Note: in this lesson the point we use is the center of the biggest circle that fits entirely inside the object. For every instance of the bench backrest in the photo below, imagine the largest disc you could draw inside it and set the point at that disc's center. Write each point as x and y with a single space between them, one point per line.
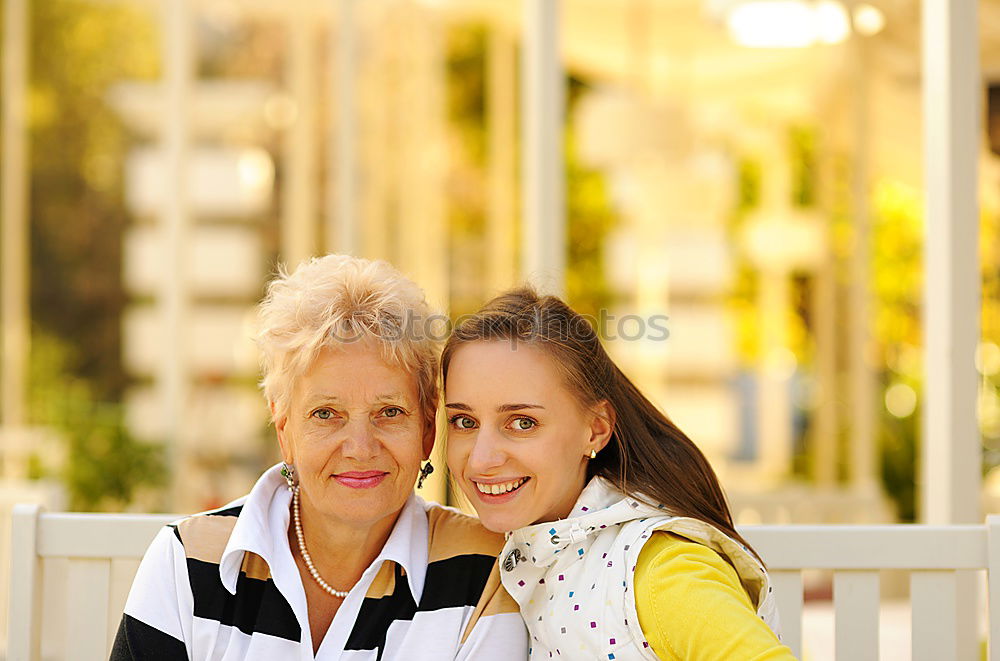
944 563
73 572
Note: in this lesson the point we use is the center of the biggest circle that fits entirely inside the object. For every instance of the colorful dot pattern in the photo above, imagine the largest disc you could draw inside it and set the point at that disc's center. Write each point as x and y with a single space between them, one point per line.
602 540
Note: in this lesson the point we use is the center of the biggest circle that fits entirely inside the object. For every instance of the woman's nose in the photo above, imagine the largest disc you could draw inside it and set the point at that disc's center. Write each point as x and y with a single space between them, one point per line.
487 453
360 442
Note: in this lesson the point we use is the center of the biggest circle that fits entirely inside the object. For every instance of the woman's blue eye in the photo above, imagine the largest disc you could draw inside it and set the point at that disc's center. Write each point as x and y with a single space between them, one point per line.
323 414
463 422
524 424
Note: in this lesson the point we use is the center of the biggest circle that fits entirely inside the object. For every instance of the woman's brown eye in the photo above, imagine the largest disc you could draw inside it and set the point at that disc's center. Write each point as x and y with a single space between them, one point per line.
392 412
463 422
523 424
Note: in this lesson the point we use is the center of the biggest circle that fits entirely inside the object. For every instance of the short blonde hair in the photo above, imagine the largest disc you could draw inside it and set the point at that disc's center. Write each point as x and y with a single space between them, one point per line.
338 299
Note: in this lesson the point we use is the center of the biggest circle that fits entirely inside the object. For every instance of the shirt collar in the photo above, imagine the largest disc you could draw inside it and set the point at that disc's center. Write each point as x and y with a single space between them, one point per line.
263 525
599 506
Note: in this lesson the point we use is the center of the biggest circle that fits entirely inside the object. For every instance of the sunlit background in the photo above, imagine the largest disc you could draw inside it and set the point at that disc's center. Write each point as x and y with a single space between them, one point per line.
753 170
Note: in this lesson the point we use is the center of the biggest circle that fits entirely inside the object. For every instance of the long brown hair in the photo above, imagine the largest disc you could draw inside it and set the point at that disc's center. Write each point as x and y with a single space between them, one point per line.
648 457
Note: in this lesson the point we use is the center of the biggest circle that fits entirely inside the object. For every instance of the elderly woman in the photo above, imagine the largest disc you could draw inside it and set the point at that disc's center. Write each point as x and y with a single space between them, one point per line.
331 555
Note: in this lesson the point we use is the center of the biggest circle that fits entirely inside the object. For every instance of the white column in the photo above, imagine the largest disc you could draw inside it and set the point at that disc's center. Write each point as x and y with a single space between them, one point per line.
543 235
952 292
774 408
15 310
501 119
172 375
861 372
298 187
342 207
951 455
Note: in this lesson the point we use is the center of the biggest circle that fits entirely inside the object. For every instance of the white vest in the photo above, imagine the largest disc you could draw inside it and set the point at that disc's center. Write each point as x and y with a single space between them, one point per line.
573 578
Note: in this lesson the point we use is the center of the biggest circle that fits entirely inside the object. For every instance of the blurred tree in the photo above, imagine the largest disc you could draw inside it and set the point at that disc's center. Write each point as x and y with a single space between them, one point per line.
590 217
101 466
78 49
466 183
897 272
77 146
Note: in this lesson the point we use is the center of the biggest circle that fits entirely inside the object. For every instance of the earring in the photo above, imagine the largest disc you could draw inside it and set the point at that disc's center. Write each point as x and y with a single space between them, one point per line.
288 472
593 454
424 472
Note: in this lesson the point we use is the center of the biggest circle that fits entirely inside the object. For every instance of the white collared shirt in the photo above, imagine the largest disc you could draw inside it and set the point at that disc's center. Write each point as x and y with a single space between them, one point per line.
224 586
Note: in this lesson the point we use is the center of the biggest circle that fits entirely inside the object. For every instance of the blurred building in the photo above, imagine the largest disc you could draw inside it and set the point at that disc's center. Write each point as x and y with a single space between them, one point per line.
739 157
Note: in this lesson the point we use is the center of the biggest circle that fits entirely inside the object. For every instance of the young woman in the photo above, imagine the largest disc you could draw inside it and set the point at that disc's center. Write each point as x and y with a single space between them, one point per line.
621 544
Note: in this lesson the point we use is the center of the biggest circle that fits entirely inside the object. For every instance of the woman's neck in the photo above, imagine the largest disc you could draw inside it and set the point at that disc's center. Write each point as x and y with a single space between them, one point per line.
340 552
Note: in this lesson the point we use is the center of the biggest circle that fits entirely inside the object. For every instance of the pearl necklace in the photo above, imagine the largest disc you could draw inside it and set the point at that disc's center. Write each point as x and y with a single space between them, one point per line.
340 594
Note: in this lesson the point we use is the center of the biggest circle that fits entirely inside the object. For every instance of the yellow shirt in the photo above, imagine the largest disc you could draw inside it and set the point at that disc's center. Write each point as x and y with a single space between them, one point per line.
692 606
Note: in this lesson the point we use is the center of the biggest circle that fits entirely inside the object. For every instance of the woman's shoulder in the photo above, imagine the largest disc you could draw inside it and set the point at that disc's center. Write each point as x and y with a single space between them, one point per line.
672 575
453 532
666 549
205 535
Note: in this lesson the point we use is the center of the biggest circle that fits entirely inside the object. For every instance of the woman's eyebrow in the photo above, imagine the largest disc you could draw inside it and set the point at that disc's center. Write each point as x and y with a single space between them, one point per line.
391 397
321 397
514 407
503 408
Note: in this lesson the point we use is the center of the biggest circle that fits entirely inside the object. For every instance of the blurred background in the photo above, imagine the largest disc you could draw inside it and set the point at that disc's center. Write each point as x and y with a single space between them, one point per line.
750 171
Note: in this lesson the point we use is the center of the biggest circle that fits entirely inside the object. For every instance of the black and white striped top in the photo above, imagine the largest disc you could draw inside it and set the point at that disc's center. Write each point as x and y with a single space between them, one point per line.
223 586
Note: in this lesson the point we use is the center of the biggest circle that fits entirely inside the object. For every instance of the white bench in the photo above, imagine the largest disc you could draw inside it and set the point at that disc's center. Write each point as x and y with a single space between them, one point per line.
94 558
100 553
938 558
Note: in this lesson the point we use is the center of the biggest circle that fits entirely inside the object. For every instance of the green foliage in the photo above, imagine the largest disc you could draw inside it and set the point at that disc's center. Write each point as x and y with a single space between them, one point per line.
898 461
590 219
804 157
101 465
897 282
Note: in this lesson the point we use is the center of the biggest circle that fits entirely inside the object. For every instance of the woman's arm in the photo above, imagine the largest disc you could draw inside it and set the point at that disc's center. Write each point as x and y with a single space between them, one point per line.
159 611
692 606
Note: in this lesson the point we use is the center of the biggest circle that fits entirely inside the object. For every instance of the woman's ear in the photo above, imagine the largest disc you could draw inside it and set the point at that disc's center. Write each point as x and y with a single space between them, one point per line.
279 428
602 425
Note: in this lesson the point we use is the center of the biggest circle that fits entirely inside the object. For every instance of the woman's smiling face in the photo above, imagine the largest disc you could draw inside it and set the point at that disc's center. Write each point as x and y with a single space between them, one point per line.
518 438
355 435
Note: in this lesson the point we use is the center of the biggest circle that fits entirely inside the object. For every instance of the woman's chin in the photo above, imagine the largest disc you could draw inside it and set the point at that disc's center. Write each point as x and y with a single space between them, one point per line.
503 522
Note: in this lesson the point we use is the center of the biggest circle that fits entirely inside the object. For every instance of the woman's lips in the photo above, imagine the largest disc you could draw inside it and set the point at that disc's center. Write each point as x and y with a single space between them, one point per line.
360 479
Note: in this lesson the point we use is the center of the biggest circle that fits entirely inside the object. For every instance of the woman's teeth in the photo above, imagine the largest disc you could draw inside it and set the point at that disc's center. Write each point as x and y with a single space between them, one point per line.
501 487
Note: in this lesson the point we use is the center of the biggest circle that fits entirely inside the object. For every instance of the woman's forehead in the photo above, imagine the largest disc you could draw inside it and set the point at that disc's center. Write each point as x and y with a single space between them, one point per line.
503 369
356 372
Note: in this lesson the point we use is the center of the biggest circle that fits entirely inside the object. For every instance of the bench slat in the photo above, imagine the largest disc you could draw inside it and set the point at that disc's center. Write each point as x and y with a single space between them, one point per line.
993 578
95 536
87 627
934 600
24 600
856 615
788 596
870 547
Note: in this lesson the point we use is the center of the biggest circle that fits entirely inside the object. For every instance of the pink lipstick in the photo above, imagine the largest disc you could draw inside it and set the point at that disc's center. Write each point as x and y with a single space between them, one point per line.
360 479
